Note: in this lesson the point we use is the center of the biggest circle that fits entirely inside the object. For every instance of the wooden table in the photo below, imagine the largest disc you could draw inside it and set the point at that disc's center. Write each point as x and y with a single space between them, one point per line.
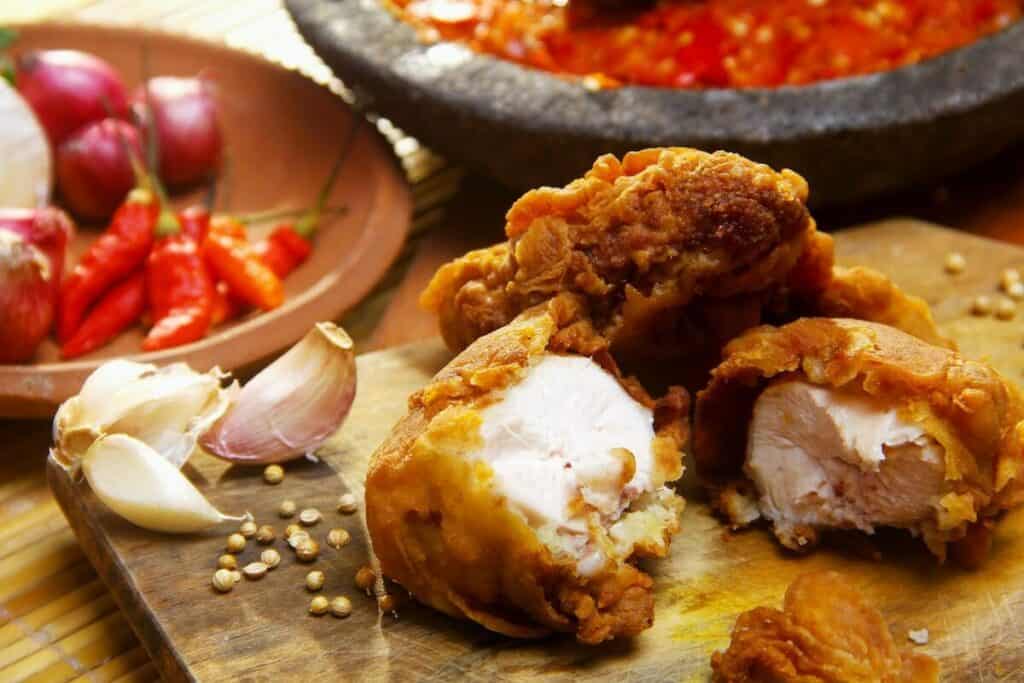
57 620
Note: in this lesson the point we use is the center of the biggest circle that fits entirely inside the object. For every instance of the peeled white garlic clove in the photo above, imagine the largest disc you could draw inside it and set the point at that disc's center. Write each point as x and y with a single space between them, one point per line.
143 487
167 408
293 405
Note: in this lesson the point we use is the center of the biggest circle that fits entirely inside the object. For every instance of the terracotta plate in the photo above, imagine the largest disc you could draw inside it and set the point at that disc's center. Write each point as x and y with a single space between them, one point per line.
283 132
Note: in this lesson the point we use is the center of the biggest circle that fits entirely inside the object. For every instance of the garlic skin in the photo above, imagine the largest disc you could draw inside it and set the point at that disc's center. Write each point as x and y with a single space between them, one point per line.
143 487
293 405
166 408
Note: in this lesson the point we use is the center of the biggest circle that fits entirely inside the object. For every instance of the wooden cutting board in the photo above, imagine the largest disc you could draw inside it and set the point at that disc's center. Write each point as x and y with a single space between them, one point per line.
261 631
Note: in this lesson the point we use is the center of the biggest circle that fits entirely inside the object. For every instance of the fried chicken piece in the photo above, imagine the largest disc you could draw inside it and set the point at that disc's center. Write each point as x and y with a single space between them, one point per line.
838 423
526 479
866 294
825 633
674 252
643 241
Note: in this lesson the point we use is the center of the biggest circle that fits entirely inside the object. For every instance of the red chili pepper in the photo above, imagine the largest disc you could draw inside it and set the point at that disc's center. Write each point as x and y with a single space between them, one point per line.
195 222
181 293
119 251
235 262
284 250
225 306
118 309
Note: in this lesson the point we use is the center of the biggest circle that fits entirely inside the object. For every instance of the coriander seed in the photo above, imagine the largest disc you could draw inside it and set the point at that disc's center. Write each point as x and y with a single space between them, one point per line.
347 504
248 528
236 575
287 509
314 581
365 578
307 551
265 535
291 529
955 263
223 580
270 557
309 516
297 539
981 306
273 474
236 543
1015 291
336 538
1008 277
227 561
341 607
318 606
1005 309
255 570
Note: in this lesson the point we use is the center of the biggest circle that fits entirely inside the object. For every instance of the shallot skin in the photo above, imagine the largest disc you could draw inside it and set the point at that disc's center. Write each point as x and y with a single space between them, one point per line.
185 118
94 169
27 298
68 89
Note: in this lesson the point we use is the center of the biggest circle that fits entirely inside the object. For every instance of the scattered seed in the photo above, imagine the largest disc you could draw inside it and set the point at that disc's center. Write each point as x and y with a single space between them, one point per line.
265 535
314 581
236 543
1015 291
273 474
248 528
387 603
981 306
297 539
309 516
223 580
307 551
341 607
336 538
270 557
318 606
955 263
365 578
1005 309
1008 277
347 504
291 529
287 509
237 575
228 562
919 637
255 570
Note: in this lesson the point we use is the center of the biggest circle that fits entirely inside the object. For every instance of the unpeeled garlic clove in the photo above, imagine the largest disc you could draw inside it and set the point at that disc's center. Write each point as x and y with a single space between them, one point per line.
166 408
140 485
293 405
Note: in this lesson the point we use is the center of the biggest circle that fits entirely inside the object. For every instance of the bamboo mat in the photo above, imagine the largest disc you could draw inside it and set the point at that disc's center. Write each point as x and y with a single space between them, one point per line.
58 622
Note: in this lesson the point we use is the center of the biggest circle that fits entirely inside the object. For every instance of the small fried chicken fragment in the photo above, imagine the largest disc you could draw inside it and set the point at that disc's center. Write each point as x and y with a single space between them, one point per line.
646 242
845 424
526 479
825 633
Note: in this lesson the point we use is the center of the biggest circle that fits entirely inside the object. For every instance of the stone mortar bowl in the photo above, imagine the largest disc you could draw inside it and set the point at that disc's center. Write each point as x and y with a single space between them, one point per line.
851 138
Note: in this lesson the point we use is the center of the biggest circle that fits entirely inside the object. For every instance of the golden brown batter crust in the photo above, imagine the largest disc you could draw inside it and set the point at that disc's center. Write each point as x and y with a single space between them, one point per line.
825 633
673 252
439 529
974 414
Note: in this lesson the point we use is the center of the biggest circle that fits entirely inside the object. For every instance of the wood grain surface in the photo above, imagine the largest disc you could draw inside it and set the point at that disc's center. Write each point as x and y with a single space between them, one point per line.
261 632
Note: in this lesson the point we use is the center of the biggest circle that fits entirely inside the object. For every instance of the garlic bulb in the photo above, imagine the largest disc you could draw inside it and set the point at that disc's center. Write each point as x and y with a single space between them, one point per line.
293 405
166 408
145 488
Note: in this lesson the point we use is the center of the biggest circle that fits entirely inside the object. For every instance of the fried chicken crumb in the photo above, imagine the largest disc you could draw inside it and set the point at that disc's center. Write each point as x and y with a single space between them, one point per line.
825 633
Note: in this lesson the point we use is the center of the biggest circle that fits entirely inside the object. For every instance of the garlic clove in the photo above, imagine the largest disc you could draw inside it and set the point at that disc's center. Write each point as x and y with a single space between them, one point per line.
143 487
293 405
167 408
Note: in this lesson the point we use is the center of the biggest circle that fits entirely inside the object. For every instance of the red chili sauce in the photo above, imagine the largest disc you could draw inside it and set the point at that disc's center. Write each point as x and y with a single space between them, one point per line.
711 43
